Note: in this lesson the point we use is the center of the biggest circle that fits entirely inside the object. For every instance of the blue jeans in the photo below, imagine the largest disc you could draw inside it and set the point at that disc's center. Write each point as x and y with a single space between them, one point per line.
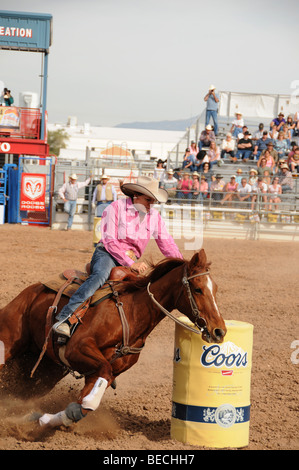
101 264
214 115
243 154
70 209
101 206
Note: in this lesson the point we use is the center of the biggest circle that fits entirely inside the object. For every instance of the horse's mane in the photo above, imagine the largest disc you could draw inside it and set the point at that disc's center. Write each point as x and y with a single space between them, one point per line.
157 271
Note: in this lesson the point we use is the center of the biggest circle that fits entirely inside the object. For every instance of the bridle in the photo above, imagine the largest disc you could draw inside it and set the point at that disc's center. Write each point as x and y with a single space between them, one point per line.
199 321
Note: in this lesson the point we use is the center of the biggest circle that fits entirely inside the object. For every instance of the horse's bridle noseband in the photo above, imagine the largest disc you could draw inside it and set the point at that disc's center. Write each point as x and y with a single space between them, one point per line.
199 321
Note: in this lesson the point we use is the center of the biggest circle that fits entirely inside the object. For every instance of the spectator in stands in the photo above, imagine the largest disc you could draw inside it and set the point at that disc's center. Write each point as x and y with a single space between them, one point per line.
259 134
189 162
239 176
252 177
259 189
201 158
260 145
293 161
270 163
217 188
245 147
273 134
266 177
279 122
199 187
273 152
8 98
193 148
207 173
213 153
261 166
69 193
237 124
212 100
228 147
159 171
206 137
275 190
242 133
281 145
285 179
244 191
184 188
291 125
287 135
170 183
230 190
103 195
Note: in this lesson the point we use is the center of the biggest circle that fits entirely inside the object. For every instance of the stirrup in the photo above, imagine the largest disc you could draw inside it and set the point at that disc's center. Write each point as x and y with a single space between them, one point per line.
62 328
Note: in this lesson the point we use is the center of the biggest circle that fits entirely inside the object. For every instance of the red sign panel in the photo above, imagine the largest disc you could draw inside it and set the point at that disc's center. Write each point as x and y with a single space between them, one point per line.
33 191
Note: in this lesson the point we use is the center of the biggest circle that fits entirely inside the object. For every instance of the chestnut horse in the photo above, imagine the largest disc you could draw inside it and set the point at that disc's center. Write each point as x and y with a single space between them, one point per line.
94 348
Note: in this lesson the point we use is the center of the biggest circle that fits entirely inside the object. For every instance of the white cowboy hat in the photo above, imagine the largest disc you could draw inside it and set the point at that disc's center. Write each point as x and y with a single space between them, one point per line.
146 185
73 176
209 127
212 87
104 176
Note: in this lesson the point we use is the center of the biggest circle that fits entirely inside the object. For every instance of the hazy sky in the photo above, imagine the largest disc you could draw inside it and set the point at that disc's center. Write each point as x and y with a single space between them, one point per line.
115 61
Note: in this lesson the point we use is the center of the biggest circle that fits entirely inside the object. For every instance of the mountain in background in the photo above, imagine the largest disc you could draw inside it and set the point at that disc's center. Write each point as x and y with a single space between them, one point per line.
177 125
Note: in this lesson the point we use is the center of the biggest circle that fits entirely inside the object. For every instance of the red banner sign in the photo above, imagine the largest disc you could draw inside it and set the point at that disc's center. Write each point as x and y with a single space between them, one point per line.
33 191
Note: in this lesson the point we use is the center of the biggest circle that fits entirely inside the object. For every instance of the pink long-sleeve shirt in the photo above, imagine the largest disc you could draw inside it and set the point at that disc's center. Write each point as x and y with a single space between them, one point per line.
122 230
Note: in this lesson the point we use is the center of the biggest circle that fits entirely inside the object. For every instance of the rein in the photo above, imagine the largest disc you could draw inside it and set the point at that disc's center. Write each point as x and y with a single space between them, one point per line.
199 321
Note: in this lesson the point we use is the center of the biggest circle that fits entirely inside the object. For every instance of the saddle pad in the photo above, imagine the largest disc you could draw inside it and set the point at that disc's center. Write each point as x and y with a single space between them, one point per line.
56 283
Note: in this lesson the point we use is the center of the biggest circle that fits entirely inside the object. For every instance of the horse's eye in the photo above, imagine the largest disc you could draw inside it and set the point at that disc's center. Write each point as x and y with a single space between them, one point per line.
198 291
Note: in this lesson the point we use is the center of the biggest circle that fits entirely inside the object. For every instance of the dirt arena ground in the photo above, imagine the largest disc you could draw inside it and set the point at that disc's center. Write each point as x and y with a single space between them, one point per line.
257 282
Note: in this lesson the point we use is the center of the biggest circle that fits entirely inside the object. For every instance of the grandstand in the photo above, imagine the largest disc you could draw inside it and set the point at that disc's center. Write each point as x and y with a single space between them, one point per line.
232 219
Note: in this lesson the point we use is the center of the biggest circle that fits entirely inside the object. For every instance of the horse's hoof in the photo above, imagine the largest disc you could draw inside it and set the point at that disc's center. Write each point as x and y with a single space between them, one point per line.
113 385
33 416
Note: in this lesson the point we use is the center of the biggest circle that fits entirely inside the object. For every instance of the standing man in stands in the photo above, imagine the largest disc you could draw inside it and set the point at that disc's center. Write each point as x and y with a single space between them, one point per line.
212 100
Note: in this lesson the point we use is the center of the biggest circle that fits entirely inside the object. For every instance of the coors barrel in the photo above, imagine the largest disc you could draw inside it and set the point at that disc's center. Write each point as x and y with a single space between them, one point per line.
211 387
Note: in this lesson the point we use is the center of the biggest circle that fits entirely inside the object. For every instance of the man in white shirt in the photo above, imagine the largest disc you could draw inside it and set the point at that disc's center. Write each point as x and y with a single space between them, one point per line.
244 191
69 194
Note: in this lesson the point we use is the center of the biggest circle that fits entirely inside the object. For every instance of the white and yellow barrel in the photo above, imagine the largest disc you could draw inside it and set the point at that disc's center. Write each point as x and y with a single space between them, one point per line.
96 230
211 387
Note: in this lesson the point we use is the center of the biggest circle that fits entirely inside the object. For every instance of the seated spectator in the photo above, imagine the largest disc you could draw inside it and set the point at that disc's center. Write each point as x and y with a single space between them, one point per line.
159 171
279 122
270 163
293 161
291 125
199 187
285 178
244 191
228 147
213 153
207 173
201 158
241 135
287 135
261 166
275 190
206 137
259 134
184 188
274 154
189 161
260 145
237 124
266 177
193 148
252 177
259 189
244 147
230 190
217 188
170 183
273 134
239 176
281 145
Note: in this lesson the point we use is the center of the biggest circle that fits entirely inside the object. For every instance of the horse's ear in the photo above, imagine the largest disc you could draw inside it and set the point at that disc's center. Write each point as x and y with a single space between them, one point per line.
198 260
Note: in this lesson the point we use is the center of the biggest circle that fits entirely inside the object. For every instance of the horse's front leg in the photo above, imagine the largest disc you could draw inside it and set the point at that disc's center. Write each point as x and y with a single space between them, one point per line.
92 393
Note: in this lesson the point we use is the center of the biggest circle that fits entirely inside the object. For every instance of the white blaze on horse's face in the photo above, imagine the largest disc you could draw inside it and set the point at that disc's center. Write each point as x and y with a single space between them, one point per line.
210 287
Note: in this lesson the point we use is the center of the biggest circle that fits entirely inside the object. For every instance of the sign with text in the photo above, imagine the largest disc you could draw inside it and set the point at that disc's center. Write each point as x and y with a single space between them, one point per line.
33 191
